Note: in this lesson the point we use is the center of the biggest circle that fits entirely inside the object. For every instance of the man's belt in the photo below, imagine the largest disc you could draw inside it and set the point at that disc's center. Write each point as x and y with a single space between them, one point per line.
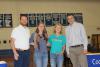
77 45
21 49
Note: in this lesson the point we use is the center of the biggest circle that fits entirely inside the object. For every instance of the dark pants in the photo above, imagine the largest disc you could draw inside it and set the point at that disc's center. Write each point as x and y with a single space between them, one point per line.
23 60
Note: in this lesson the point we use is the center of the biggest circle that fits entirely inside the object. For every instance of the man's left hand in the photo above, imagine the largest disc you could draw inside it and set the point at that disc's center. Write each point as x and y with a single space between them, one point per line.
85 52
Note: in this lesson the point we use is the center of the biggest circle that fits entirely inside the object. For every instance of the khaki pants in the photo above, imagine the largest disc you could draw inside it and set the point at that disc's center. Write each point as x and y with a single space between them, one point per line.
78 59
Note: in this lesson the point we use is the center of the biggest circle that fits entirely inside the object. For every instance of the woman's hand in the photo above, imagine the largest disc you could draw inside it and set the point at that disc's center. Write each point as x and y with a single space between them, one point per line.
48 44
85 52
35 46
62 53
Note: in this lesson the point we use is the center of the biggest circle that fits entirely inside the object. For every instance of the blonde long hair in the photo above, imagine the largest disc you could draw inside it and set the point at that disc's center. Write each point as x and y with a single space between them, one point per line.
58 24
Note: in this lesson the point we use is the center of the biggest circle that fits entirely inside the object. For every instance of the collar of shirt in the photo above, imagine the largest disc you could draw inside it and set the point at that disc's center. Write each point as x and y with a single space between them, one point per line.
74 23
24 27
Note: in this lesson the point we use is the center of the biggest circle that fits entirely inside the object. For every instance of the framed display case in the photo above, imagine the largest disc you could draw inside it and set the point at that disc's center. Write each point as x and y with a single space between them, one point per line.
32 20
63 19
40 17
1 20
7 20
48 19
55 18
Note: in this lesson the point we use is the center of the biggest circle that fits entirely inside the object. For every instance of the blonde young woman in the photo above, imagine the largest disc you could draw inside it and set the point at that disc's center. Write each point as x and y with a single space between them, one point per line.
57 42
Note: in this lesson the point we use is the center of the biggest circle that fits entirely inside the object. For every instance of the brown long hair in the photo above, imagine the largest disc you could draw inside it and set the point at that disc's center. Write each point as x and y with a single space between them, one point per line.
44 34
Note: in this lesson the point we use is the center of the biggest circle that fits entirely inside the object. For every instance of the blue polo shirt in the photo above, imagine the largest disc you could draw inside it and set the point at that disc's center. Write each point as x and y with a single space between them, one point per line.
57 43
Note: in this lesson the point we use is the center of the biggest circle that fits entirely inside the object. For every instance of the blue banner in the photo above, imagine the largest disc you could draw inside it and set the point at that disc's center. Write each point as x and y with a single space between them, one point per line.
93 60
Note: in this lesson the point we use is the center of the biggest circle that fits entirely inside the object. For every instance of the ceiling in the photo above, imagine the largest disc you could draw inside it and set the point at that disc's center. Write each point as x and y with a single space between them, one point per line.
49 0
